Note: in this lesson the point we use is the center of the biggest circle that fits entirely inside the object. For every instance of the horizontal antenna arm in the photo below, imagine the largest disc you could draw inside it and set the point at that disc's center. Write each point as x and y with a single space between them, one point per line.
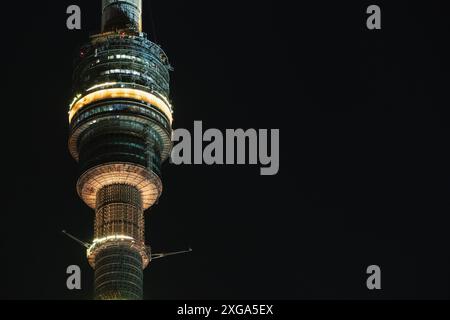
84 244
164 255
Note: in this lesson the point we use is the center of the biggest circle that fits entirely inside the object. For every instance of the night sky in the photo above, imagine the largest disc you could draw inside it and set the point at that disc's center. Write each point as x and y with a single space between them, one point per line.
364 172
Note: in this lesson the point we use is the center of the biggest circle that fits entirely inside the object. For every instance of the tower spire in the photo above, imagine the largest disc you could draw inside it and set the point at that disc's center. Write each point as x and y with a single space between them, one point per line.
121 14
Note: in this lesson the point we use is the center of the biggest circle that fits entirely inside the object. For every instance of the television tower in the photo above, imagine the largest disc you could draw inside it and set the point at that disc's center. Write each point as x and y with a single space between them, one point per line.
120 134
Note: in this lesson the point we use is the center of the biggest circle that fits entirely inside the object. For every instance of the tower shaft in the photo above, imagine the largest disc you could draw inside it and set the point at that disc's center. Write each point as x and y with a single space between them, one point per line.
119 262
121 14
120 133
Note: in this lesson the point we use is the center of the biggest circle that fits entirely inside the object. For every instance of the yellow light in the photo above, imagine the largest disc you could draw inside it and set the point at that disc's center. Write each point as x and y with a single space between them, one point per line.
106 239
114 237
112 93
78 96
101 85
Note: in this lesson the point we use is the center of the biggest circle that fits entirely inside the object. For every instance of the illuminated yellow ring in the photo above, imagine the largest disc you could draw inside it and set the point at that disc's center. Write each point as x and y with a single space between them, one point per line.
125 93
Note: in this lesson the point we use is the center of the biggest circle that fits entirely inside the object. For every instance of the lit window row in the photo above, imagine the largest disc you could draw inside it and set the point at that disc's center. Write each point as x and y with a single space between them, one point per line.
127 57
123 71
126 71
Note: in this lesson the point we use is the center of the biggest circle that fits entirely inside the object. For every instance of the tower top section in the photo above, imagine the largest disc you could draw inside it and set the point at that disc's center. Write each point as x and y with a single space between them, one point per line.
121 14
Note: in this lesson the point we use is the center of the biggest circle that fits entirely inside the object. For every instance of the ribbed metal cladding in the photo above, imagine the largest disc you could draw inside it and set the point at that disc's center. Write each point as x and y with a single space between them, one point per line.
119 212
118 265
118 274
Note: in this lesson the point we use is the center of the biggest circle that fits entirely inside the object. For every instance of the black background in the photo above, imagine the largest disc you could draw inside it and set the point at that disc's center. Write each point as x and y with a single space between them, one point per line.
364 173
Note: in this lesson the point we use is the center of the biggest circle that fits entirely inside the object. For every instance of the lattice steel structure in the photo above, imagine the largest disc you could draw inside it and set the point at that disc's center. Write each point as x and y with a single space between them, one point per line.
120 133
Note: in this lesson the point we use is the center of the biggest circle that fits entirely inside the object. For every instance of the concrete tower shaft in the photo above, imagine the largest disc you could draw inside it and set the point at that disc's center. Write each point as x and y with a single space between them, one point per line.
121 14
